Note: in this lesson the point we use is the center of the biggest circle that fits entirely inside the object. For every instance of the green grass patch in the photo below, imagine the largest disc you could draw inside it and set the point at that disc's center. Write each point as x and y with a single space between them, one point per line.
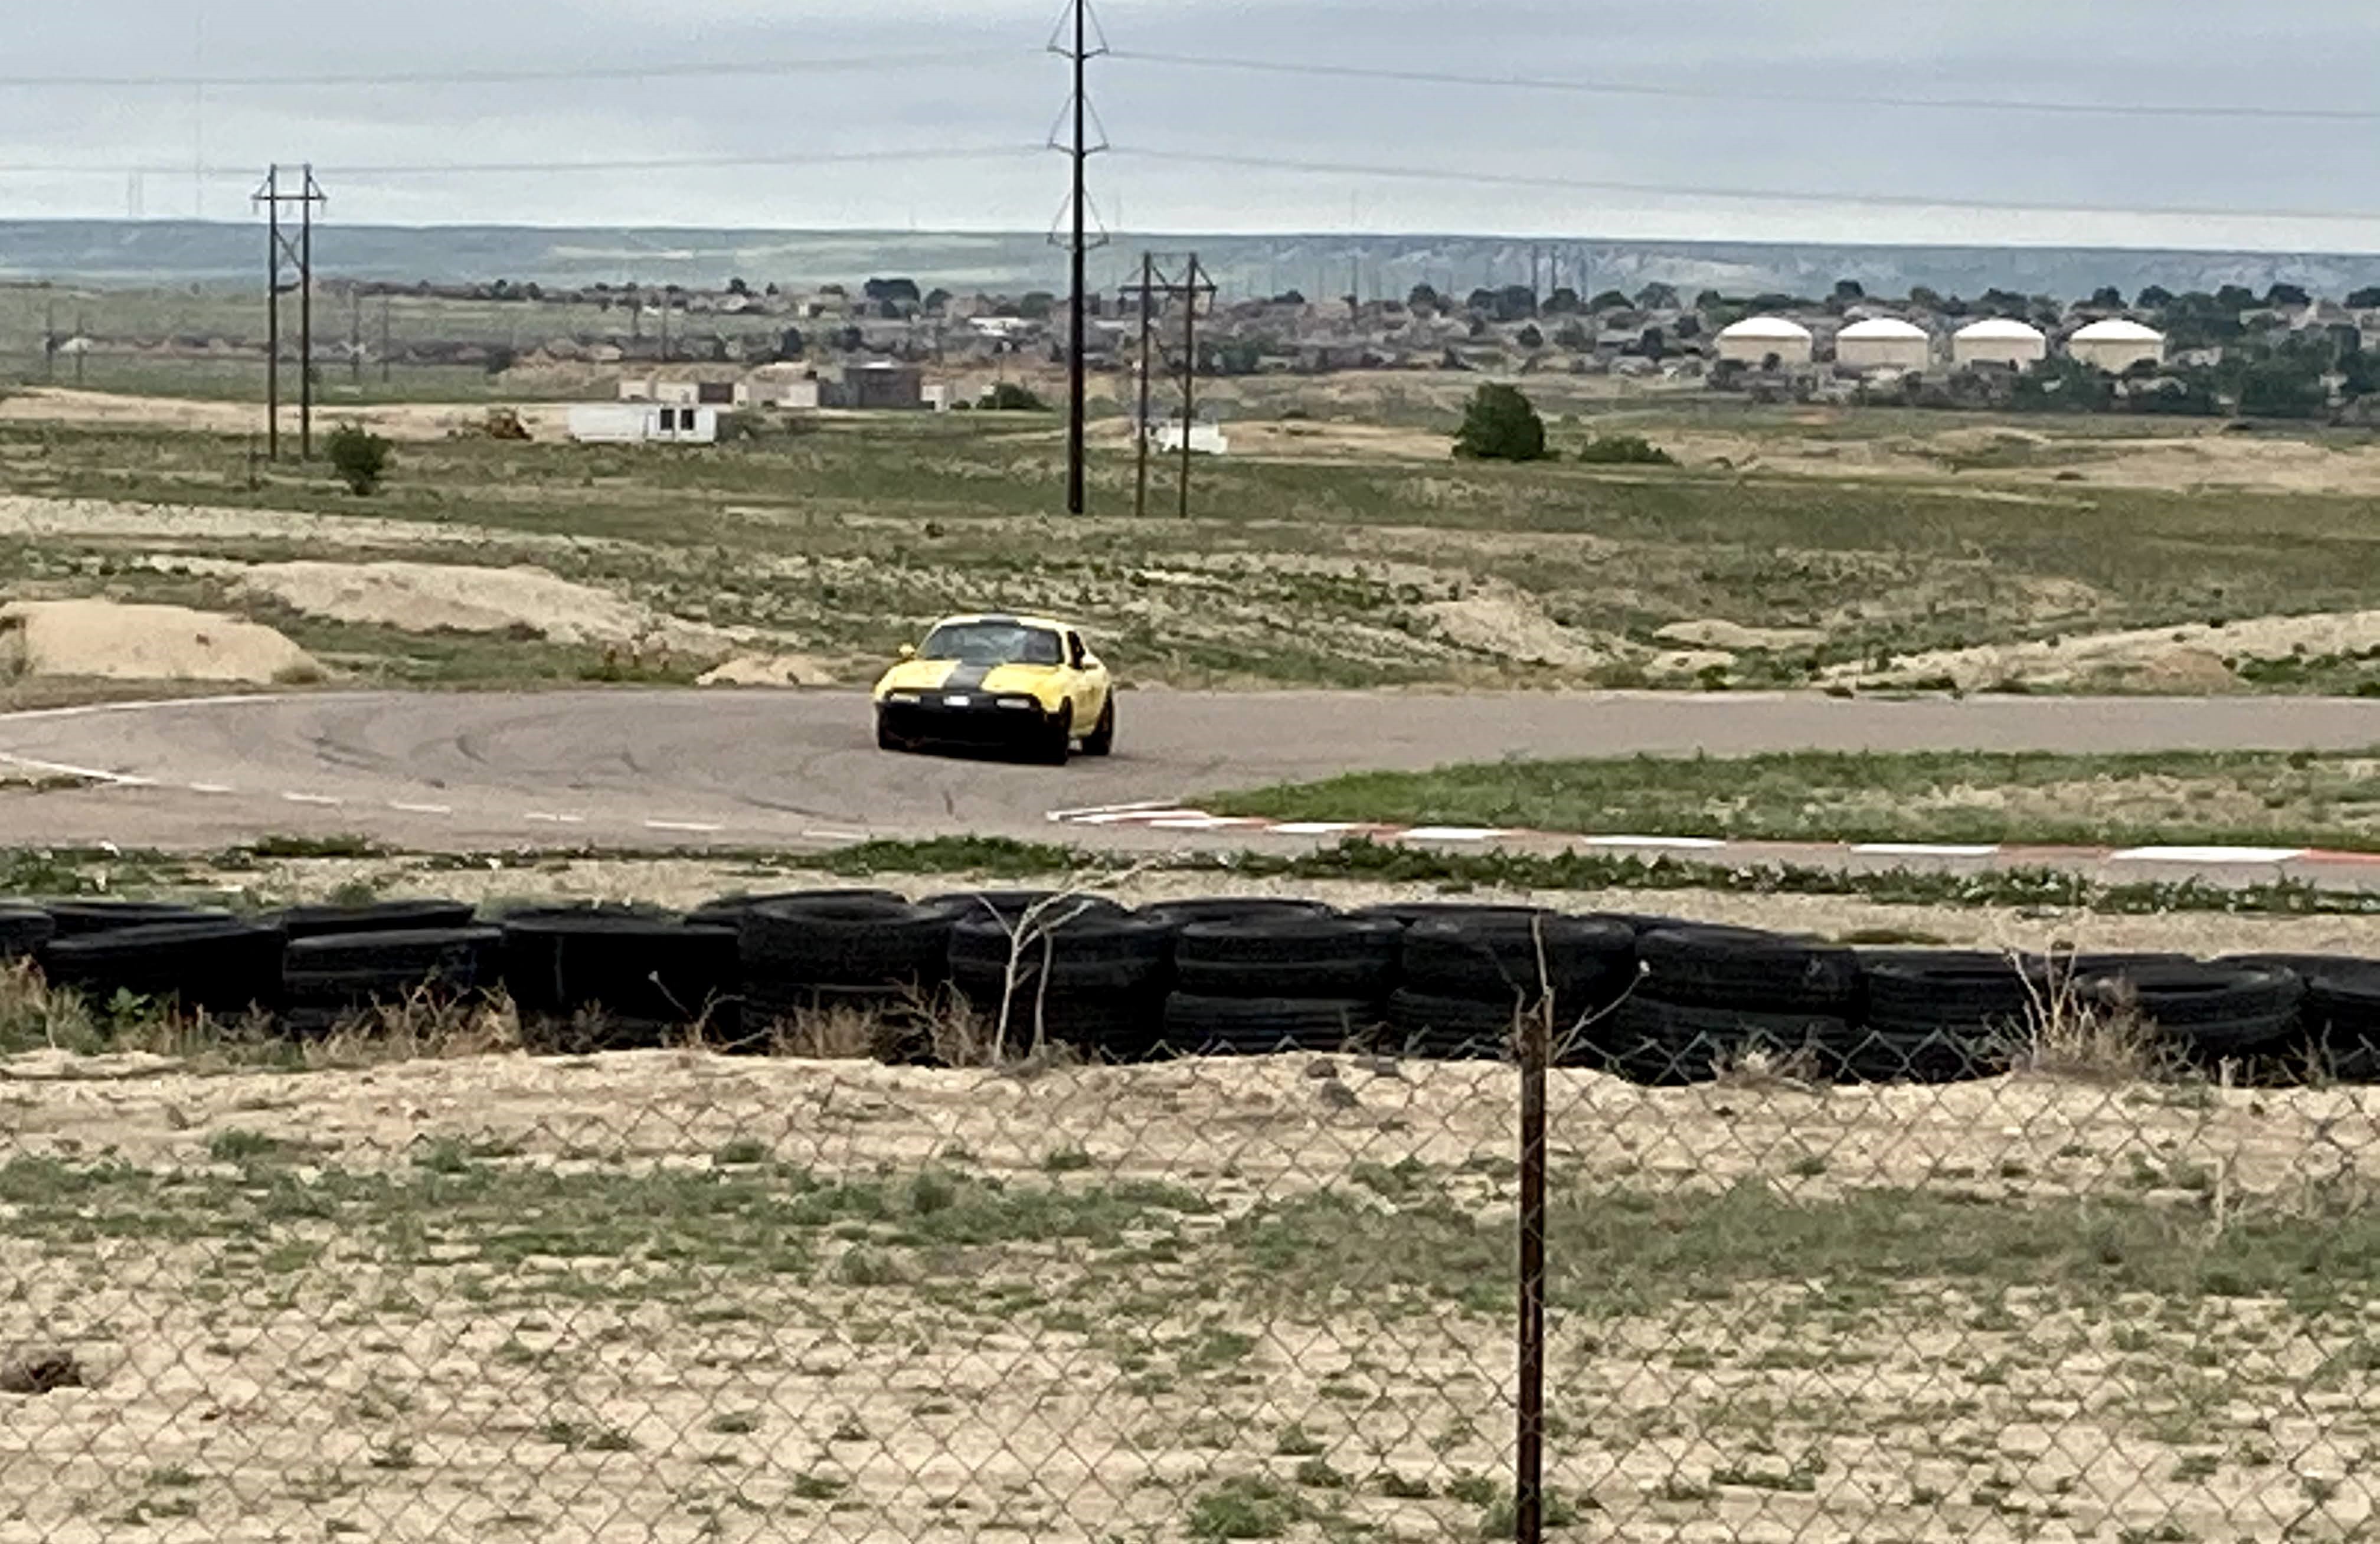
2265 797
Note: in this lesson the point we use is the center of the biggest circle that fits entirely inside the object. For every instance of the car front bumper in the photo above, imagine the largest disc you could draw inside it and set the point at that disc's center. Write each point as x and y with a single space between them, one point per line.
961 718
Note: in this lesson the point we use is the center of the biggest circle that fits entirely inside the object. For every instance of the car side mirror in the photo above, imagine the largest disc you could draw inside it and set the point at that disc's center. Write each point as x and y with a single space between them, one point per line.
908 650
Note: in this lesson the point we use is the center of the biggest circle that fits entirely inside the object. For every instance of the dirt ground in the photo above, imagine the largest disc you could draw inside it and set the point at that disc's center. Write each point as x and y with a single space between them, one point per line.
665 1295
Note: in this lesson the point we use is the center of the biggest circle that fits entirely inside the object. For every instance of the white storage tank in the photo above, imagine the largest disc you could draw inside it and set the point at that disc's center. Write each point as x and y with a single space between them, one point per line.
1999 340
2116 346
1756 339
1883 343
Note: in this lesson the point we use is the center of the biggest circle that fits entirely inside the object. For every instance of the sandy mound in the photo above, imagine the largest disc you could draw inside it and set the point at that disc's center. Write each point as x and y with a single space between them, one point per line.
100 640
429 597
1503 621
769 669
2193 656
1734 636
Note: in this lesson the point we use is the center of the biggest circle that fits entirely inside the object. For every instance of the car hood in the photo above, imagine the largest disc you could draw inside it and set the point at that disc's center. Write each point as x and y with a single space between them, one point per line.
951 675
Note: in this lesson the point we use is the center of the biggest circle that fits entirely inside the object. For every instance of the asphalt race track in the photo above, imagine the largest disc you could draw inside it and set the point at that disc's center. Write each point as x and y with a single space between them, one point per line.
466 772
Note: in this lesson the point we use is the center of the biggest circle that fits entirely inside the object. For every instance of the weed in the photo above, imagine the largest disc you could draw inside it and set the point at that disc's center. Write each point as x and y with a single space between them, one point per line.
1244 1507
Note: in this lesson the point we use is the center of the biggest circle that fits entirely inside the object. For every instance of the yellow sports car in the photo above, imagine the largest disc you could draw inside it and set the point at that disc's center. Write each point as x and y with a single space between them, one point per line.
1026 683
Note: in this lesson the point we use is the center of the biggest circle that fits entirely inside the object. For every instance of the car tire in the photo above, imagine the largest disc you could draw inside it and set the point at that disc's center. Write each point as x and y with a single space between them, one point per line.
885 738
1101 741
1059 735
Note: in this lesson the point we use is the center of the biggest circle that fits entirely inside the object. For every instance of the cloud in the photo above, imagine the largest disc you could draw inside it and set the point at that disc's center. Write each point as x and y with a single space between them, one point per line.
993 87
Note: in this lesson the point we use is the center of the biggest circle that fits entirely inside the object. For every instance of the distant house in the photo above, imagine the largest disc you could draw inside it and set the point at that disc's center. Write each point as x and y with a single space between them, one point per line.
685 394
877 386
636 423
1207 436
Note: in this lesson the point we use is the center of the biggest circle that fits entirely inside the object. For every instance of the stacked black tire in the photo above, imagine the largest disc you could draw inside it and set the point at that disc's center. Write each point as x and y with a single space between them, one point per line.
346 966
190 958
2337 1032
867 952
1712 997
1951 1014
594 978
1468 977
1041 970
1254 978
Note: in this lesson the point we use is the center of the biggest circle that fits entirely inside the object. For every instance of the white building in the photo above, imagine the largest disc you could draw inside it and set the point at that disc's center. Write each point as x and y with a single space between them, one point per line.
636 423
1757 339
1883 343
2116 346
1206 437
1999 341
685 392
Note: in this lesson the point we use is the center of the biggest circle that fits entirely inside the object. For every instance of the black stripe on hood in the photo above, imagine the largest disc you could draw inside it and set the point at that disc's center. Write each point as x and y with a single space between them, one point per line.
968 677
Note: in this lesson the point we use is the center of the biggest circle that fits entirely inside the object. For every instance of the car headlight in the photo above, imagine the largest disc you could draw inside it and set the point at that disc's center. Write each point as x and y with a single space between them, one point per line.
1018 703
901 697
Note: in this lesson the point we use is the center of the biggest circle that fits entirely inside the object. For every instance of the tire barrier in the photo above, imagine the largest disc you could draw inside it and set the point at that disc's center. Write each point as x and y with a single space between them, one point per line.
24 928
1651 999
862 951
223 966
1094 979
379 917
605 981
329 980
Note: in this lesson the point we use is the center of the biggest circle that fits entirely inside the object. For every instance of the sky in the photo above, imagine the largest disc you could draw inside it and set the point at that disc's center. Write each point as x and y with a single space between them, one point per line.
937 114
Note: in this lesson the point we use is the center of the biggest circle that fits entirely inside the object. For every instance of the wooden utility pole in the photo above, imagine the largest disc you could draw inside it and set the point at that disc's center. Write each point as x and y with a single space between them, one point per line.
1147 342
1189 369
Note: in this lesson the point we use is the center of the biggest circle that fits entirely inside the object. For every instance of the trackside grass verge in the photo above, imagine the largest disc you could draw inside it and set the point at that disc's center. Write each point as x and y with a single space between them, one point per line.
2265 798
91 872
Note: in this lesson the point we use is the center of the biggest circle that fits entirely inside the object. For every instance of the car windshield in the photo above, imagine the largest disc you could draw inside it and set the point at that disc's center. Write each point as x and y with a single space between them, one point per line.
990 643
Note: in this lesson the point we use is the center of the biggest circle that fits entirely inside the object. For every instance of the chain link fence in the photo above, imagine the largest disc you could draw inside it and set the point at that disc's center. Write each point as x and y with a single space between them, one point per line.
2071 1288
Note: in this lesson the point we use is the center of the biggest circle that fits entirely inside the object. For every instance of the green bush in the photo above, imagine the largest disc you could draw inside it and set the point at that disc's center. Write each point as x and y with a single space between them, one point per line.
1625 450
1010 397
360 457
1500 425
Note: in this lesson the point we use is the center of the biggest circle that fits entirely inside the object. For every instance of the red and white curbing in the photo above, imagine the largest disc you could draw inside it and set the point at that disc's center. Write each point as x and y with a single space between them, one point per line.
1159 815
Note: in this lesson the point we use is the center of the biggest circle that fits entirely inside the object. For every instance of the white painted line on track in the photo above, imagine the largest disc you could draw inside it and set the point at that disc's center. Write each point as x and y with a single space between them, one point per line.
210 788
1202 823
94 775
546 819
421 808
1453 834
1685 843
93 710
322 800
1313 828
2207 854
1154 815
824 835
1065 815
1924 849
698 827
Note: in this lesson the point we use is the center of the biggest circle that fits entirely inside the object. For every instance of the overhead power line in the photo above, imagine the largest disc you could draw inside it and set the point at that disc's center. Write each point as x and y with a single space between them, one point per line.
1595 87
681 69
541 168
1745 195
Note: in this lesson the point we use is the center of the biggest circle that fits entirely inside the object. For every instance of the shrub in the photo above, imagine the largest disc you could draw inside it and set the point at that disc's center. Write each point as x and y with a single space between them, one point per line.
1010 397
1625 450
360 457
1500 425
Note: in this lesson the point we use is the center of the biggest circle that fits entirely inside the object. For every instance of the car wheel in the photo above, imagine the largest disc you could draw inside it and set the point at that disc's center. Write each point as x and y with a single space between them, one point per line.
1060 735
1102 739
886 739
